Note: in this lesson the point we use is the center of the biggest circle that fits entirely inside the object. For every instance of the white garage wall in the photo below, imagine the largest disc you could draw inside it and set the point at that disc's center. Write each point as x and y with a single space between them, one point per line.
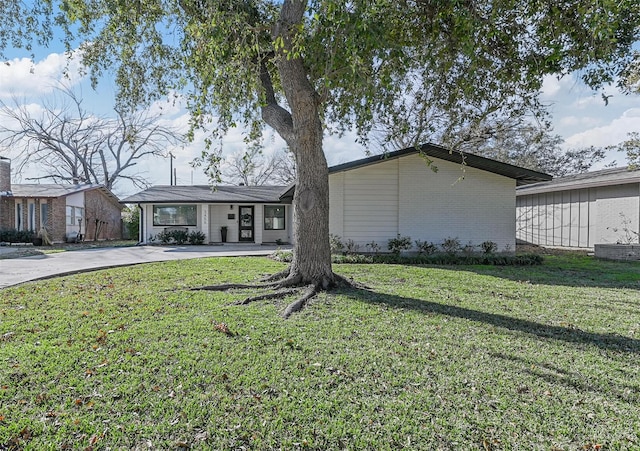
405 196
371 203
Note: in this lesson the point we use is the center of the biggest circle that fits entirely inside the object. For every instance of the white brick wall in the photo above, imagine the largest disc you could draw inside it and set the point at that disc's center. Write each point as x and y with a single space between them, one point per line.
371 203
336 203
405 196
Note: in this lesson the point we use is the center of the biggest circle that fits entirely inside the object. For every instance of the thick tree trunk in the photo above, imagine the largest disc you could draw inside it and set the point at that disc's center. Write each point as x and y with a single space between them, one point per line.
312 255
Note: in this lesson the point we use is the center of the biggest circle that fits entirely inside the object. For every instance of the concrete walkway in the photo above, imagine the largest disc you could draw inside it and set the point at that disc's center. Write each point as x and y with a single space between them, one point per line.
14 271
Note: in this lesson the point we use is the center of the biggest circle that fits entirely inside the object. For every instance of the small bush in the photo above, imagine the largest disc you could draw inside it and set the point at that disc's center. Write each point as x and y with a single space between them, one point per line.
352 247
196 237
179 236
426 247
285 256
399 244
353 258
335 242
469 249
451 246
373 247
16 236
164 237
488 247
448 259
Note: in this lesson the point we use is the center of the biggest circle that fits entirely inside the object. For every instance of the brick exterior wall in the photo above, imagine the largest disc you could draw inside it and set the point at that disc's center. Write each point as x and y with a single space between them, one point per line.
7 213
100 207
404 196
57 219
97 206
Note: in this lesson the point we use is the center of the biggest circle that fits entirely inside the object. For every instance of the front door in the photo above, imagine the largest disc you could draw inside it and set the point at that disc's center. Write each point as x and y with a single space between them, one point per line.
246 224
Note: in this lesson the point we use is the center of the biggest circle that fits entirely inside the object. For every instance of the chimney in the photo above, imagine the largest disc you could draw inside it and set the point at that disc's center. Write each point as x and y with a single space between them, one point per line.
5 176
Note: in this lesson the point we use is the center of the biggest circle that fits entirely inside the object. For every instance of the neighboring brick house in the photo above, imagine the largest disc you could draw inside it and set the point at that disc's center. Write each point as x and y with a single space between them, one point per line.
64 210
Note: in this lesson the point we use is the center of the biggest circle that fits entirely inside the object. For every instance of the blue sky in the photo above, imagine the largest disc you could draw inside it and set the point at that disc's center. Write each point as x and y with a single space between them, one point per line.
579 115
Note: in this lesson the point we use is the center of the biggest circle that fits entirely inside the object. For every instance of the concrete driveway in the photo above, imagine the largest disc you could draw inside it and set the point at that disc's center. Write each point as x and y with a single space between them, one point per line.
14 271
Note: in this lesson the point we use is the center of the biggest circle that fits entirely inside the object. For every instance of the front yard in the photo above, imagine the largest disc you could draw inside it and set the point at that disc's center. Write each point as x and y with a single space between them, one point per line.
469 357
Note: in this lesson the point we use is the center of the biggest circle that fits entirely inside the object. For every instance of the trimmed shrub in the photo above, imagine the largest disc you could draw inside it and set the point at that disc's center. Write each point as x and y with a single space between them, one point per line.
449 259
16 236
196 237
488 247
352 247
469 249
286 256
335 242
179 236
399 244
426 247
451 246
164 237
373 247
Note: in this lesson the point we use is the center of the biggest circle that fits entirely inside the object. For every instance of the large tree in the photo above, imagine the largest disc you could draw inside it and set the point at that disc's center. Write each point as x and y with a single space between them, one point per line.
302 66
518 134
71 145
531 145
253 168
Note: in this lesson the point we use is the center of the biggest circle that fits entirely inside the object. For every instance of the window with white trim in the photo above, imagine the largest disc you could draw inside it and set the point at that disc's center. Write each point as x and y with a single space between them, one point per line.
274 217
175 215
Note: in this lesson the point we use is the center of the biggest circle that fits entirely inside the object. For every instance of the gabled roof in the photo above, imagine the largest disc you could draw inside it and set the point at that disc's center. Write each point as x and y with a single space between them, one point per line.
204 193
47 191
522 176
605 177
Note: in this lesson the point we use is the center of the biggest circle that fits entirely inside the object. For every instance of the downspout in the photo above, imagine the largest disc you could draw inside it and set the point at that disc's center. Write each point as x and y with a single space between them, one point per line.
141 227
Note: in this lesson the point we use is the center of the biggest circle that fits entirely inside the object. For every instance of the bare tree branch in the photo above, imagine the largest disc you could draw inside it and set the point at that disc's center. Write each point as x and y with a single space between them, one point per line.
70 145
252 168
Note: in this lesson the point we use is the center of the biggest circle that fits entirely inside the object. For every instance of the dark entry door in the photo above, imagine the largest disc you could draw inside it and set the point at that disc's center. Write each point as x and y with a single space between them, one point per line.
246 224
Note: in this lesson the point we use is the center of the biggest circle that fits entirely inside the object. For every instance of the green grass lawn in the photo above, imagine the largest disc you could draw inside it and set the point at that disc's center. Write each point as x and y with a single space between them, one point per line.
478 357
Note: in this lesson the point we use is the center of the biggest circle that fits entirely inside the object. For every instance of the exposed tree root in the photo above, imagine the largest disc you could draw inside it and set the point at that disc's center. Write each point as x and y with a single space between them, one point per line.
263 297
234 286
277 276
284 284
296 306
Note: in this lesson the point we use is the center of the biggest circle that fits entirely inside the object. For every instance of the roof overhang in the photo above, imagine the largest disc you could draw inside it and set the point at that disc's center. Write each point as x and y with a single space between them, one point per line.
522 176
596 179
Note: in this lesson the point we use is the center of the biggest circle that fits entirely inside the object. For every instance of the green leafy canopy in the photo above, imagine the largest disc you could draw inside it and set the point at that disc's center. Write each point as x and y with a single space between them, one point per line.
360 55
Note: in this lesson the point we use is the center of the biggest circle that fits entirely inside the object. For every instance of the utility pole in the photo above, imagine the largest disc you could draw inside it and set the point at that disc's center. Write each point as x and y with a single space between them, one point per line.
171 176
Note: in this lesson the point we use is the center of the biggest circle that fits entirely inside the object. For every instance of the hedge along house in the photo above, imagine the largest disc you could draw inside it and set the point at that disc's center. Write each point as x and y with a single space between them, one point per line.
235 214
65 211
427 193
580 211
370 200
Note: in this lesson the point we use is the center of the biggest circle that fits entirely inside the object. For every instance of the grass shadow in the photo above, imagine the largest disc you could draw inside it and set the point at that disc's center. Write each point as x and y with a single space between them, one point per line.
605 341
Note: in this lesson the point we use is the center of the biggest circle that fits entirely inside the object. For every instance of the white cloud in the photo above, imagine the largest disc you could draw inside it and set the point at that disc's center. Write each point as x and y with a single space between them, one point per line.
579 121
552 86
22 77
610 134
171 105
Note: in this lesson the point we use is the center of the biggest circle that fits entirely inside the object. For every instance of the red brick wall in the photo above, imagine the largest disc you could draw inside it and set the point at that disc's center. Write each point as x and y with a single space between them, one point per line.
7 213
99 206
57 219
